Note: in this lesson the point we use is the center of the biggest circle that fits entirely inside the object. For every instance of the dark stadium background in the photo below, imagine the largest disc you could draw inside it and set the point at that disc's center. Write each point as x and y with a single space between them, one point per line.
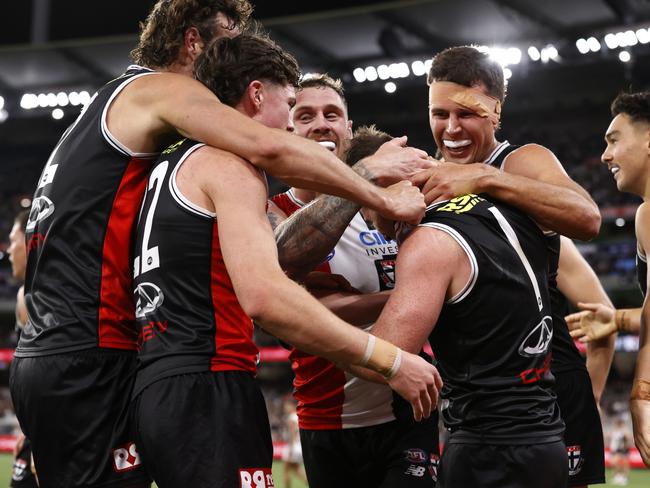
64 46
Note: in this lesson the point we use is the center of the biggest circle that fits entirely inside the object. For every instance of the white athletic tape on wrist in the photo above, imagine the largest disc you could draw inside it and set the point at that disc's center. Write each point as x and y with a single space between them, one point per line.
396 365
370 348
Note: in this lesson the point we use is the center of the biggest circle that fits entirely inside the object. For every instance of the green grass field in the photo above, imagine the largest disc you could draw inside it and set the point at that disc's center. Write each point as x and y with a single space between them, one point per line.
639 478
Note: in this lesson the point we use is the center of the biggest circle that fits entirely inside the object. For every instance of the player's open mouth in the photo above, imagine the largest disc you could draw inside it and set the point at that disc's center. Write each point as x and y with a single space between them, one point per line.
328 144
614 170
449 144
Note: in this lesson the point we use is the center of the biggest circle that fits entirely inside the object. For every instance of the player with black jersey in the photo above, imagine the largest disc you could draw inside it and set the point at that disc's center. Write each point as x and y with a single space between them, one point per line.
627 157
205 263
73 368
472 278
466 90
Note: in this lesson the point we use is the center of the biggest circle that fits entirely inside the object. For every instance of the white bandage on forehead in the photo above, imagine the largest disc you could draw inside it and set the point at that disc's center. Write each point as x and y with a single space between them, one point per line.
469 98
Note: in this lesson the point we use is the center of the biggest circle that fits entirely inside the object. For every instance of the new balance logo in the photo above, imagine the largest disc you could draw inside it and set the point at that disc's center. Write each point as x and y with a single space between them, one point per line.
414 470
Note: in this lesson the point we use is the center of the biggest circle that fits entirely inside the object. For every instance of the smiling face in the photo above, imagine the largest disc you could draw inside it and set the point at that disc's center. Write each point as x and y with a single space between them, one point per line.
627 154
461 133
321 115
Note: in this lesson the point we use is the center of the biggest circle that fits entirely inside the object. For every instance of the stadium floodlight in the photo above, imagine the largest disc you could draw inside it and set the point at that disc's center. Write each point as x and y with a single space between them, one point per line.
552 52
624 56
28 101
418 68
42 100
383 72
62 99
611 40
593 44
643 35
2 102
513 55
57 114
534 54
51 100
4 115
390 87
359 75
582 45
394 71
621 39
84 96
507 73
630 38
74 98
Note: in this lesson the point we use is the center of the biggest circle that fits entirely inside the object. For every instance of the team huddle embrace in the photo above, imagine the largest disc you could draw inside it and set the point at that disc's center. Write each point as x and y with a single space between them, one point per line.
153 247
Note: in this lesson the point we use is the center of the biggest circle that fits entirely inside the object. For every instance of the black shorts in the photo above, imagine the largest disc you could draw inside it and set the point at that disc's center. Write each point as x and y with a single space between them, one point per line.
73 407
584 433
205 430
400 453
503 466
21 474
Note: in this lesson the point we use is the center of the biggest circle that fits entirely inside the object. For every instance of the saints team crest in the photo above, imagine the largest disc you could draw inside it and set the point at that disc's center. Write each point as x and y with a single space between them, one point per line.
575 459
386 272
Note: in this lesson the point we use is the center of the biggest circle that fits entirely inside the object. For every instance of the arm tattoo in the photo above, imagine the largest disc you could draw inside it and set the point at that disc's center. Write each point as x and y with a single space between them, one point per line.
306 238
273 219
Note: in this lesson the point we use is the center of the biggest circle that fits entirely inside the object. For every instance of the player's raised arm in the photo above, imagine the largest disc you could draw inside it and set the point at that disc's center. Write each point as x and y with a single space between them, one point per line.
285 309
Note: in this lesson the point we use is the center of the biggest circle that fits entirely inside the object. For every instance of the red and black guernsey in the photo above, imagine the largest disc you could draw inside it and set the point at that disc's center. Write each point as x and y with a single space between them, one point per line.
78 282
492 340
187 314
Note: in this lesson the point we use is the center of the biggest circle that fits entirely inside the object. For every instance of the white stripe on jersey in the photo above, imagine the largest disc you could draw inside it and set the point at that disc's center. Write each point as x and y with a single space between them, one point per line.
110 138
514 242
176 193
469 286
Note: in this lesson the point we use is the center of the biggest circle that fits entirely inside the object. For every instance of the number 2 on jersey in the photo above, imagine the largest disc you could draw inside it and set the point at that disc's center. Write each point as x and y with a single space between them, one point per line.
149 258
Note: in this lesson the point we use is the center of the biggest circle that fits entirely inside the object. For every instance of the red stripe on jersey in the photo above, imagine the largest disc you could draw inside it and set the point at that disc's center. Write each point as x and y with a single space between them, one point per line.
116 308
285 203
233 338
318 387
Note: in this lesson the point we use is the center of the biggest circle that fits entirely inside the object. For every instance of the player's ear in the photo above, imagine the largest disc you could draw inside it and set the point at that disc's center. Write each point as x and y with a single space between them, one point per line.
254 96
192 42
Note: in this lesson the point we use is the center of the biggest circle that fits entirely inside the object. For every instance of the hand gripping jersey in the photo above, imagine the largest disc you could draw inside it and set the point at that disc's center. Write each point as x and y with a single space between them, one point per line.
566 356
492 340
78 281
188 317
328 397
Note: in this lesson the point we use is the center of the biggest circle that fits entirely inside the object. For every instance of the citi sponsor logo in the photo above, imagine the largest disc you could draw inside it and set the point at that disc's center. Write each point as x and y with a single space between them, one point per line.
373 238
126 458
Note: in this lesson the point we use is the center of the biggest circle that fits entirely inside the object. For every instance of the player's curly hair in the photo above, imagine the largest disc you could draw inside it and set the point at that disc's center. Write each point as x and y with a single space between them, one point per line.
228 66
365 142
634 105
466 65
161 35
323 80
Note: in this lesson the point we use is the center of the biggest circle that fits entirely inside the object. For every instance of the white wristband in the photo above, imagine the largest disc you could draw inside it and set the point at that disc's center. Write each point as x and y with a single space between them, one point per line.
370 348
396 364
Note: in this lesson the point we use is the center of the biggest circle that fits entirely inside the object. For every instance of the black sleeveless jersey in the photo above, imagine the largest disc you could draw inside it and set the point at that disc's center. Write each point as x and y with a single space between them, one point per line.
642 271
566 356
188 317
78 282
492 340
